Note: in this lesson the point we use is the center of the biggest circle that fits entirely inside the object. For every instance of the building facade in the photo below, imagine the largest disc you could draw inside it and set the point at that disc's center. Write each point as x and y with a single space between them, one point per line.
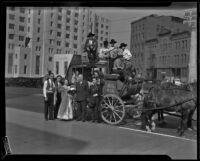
169 55
148 28
190 17
52 30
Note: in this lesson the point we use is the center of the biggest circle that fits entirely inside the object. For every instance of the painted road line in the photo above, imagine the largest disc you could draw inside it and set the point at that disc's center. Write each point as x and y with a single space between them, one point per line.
158 134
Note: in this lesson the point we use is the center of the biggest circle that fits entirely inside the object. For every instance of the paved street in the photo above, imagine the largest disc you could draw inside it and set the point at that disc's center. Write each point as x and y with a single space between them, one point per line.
29 134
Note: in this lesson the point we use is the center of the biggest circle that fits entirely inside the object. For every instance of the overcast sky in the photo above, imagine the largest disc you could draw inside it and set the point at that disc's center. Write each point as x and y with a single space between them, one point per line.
122 17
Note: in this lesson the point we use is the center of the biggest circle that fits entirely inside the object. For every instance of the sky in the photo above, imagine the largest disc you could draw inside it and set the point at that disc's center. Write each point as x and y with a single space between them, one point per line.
122 17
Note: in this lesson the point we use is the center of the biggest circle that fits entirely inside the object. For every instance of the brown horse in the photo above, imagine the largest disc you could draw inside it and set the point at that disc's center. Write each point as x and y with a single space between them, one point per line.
167 96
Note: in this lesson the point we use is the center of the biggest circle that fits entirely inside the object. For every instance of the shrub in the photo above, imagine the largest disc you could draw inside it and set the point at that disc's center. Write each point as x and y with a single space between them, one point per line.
24 82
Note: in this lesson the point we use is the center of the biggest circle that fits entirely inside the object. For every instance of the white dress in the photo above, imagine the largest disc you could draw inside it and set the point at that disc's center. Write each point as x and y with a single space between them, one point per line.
66 110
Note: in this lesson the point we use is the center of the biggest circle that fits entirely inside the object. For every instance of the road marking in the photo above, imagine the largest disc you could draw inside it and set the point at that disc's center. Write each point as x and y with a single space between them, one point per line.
158 134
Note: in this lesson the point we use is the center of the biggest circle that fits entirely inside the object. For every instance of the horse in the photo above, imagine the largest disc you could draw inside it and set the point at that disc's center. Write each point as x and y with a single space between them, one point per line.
174 98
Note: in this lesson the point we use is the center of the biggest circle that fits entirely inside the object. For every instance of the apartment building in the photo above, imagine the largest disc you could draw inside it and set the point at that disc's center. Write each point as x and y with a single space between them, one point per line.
168 55
190 17
148 28
52 31
16 30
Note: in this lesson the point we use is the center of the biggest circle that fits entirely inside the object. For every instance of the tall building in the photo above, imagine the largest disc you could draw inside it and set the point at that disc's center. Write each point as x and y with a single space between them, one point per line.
52 30
168 55
190 17
148 28
15 35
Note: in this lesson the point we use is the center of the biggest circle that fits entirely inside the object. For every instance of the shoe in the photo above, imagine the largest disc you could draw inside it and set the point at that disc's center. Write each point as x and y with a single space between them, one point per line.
78 119
83 120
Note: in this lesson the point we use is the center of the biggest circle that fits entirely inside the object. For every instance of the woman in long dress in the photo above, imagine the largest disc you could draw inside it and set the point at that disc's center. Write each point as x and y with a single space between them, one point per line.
65 111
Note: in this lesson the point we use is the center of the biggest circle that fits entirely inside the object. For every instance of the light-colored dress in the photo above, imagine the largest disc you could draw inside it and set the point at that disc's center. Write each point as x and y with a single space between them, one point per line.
66 110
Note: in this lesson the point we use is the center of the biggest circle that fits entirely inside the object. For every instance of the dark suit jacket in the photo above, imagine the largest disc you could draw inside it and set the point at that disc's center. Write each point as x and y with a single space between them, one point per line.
82 91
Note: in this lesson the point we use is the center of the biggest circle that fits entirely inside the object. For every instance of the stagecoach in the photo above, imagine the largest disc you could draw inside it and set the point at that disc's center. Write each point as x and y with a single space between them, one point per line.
113 103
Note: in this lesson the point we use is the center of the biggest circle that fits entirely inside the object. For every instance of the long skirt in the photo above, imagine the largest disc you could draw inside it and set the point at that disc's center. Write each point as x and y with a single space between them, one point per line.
66 110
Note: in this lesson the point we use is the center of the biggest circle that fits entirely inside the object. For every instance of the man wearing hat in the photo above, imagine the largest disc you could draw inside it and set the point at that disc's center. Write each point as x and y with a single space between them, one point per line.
126 55
91 48
113 54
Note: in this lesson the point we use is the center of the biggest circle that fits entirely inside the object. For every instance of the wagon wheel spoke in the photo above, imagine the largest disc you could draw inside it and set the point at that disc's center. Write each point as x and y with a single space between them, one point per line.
109 101
111 118
116 114
105 103
118 111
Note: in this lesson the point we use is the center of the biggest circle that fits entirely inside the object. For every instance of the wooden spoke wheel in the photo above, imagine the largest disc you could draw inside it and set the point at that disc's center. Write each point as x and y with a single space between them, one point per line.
112 109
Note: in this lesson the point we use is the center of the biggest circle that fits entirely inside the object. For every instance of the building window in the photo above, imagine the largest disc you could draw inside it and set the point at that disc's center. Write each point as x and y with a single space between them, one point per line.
25 68
10 62
29 11
58 43
21 38
57 67
25 56
21 19
38 39
59 17
29 20
67 28
11 26
67 44
38 20
15 69
102 25
39 12
59 34
75 46
59 9
67 35
76 14
11 16
51 15
21 28
59 25
75 29
22 10
68 20
50 59
37 65
38 29
28 28
75 37
51 32
68 12
76 22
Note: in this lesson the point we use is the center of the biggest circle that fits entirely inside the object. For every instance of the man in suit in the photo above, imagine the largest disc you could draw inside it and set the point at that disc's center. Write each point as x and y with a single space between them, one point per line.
113 54
81 97
48 92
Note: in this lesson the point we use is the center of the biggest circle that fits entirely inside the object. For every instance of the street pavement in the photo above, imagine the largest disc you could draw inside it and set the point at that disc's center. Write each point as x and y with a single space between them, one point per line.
29 133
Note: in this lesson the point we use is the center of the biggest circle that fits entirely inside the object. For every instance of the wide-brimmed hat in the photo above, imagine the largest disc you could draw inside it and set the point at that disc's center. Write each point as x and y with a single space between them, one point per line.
90 34
122 45
113 41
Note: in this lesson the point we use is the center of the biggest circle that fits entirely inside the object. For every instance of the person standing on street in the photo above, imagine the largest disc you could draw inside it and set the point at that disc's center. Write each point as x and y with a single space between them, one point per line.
58 85
81 97
48 92
100 83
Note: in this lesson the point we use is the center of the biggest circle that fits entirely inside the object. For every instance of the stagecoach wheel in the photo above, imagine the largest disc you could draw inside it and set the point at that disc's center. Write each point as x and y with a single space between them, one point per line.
112 109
